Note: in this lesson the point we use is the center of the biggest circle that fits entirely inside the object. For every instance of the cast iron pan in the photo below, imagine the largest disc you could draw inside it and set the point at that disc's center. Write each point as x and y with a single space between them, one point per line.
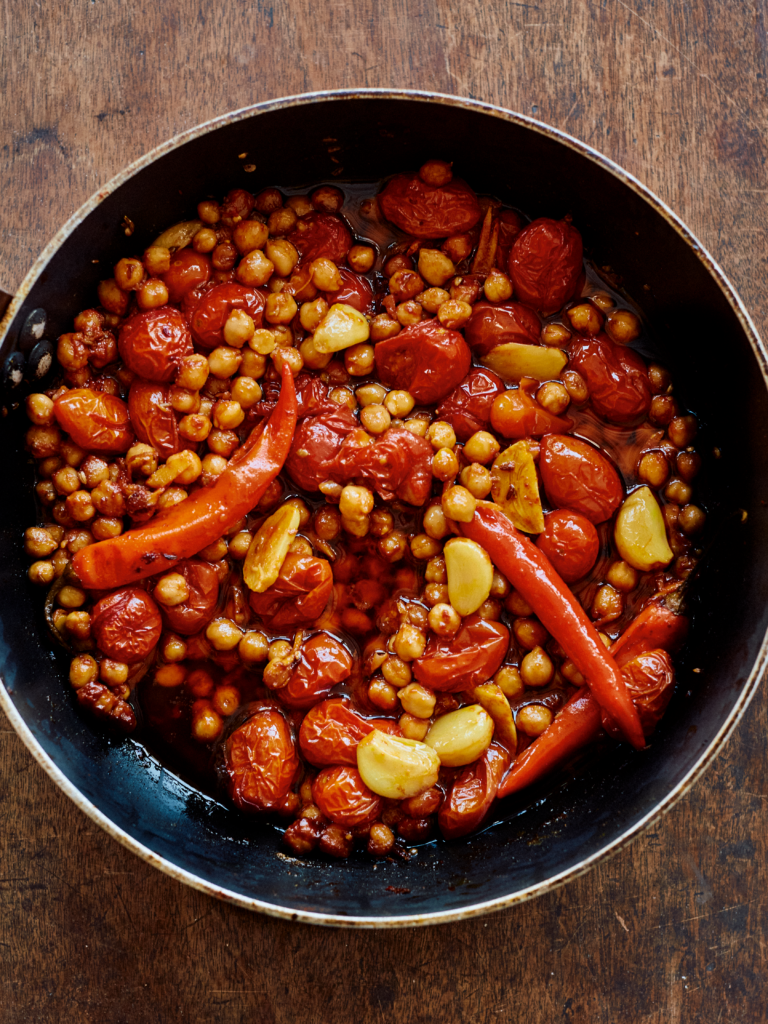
546 836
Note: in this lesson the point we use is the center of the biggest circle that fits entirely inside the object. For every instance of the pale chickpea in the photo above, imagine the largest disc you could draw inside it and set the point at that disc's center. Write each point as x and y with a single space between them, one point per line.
173 647
253 648
41 573
78 625
223 362
436 173
183 400
499 585
361 258
584 318
570 673
382 522
171 496
370 394
533 719
113 673
435 571
227 415
283 255
441 435
622 326
38 542
280 308
359 360
510 681
224 634
603 301
213 467
444 620
553 396
331 491
454 314
399 403
536 668
246 392
343 396
375 418
282 222
393 547
327 198
157 259
325 275
40 410
396 671
206 725
482 447
682 430
622 576
432 299
423 547
313 312
476 479
253 364
497 287
529 633
214 552
412 728
358 526
171 590
383 326
434 522
445 465
435 267
170 675
459 504
204 240
355 502
691 520
83 670
409 642
653 469
556 335
249 235
192 372
417 700
418 425
255 269
405 284
239 328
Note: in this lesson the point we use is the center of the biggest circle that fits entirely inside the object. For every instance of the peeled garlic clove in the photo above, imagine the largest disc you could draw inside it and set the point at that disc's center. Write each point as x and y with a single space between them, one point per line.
640 534
394 767
491 697
460 737
179 236
513 361
341 327
269 548
515 487
470 574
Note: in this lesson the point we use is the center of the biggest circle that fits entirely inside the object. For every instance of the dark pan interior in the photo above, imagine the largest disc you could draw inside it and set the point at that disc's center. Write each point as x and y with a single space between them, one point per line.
699 336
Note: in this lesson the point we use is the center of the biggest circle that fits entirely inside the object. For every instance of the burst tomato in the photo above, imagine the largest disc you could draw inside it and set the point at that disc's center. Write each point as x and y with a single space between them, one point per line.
188 270
331 731
616 377
426 359
429 211
398 464
153 343
517 414
315 445
196 612
260 761
492 325
468 407
97 421
212 311
467 659
342 796
570 542
298 596
152 417
324 661
650 680
472 793
355 291
126 624
321 235
577 476
545 264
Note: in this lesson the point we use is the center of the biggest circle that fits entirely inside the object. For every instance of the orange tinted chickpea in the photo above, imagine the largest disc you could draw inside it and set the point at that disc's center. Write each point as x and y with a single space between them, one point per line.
327 199
253 364
622 576
444 620
194 427
192 372
268 200
227 415
536 668
417 700
653 468
280 308
533 719
682 430
663 410
424 547
529 633
173 647
553 396
289 357
510 681
152 293
282 221
383 327
435 267
408 313
445 465
171 590
223 442
459 504
436 172
396 671
659 378
382 694
676 491
170 675
405 284
246 392
397 262
224 634
575 385
41 573
434 522
432 299
40 409
300 205
359 360
283 254
208 211
80 507
458 247
83 670
66 480
71 352
129 273
622 326
441 435
72 454
375 419
205 240
312 313
157 260
409 642
454 314
465 289
112 298
482 447
476 479
224 256
226 700
361 258
249 235
584 318
206 725
497 287
327 523
608 604
253 648
393 547
325 275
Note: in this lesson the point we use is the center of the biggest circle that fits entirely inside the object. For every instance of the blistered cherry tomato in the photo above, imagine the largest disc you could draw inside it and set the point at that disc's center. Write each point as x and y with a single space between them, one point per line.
321 235
298 596
472 793
570 542
492 325
152 417
126 624
315 445
331 731
95 420
469 658
324 661
398 464
429 211
616 376
188 270
212 311
261 761
468 407
236 206
153 343
516 413
576 475
426 359
355 291
650 680
545 264
193 614
342 796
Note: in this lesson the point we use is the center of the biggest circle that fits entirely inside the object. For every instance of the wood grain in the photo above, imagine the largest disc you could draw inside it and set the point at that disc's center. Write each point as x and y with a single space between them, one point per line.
674 929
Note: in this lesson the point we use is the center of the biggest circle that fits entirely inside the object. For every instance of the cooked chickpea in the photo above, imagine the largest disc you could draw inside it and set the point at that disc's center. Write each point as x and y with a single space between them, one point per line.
436 593
383 326
38 542
113 673
223 362
441 435
409 642
436 173
432 299
499 585
355 501
80 507
556 335
157 259
435 267
688 465
129 273
327 198
575 385
224 634
405 284
399 403
43 442
66 480
663 410
533 719
382 694
227 415
418 425
208 211
226 700
170 675
359 360
255 270
465 289
691 520
206 725
660 379
40 410
412 728
608 604
239 328
553 396
529 632
268 200
171 590
289 357
393 547
152 293
282 221
584 318
653 469
476 479
510 681
434 522
409 313
325 275
459 504
444 620
83 670
192 372
482 447
327 523
280 308
424 546
41 573
622 326
204 240
622 576
682 430
445 465
173 647
417 700
458 247
497 287
396 671
454 314
313 312
361 258
536 668
375 419
253 648
249 235
224 256
677 491
104 527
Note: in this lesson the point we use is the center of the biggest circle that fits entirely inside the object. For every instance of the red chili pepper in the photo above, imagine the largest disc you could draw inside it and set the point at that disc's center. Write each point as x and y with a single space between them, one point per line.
184 529
529 570
655 626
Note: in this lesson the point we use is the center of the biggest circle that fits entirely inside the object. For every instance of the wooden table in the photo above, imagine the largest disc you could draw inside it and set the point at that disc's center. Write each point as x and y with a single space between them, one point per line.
675 928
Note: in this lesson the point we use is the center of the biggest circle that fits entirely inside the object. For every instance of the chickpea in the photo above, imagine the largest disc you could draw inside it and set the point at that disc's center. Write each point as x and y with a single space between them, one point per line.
465 289
434 522
441 435
436 173
444 620
171 496
533 719
226 700
171 590
663 410
47 467
382 694
660 379
152 293
66 480
280 308
575 385
355 502
383 327
195 427
327 198
409 642
458 247
227 415
239 328
584 318
682 430
499 585
208 211
529 633
282 221
255 269
289 357
331 490
417 700
192 372
75 540
432 299
60 563
268 200
396 671
206 725
553 396
622 326
171 675
173 648
38 542
361 258
435 267
204 240
105 527
157 260
691 520
677 491
214 552
418 424
510 681
223 362
184 401
223 442
359 360
41 573
497 287
113 673
393 547
622 576
325 275
424 546
409 313
46 492
375 419
459 504
536 668
327 523
688 466
445 465
482 447
249 235
112 298
224 634
43 442
653 469
412 728
94 471
405 284
80 507
436 593
477 480
40 410
224 256
71 352
253 648
312 313
608 604
454 314
129 273
82 671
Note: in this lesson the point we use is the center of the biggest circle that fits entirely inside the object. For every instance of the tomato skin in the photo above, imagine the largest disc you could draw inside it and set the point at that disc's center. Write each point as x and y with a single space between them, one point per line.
491 325
355 291
260 761
95 420
472 793
429 211
342 796
324 661
397 465
570 542
209 316
426 359
315 445
126 624
152 417
331 731
468 407
153 343
298 596
197 611
469 658
188 270
650 679
616 376
577 476
516 413
321 235
545 264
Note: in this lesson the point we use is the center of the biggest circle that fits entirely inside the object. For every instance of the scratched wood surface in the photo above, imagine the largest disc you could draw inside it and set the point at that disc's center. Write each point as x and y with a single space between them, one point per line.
674 929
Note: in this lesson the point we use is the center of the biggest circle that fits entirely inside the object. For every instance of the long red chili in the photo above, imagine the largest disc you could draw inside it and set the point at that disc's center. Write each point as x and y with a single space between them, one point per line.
529 570
655 626
184 529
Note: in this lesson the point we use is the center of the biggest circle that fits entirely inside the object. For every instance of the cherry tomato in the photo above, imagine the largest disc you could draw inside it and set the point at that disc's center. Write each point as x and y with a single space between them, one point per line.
102 350
545 264
492 325
153 343
331 731
126 624
236 206
321 234
617 379
510 226
298 596
315 445
472 793
426 359
650 680
188 270
398 464
516 413
343 797
260 761
215 305
197 611
429 211
324 661
100 701
468 407
95 420
570 542
467 659
152 417
576 475
355 291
